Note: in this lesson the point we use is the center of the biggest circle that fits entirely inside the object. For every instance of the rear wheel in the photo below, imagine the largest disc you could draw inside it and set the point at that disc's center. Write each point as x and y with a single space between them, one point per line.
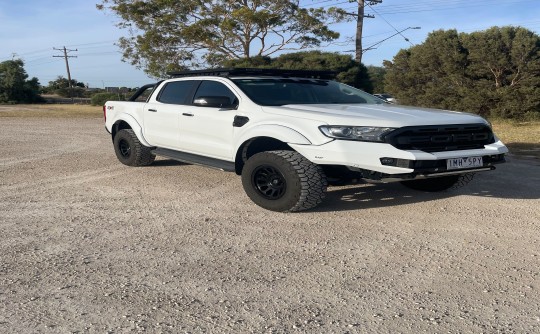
130 151
440 183
283 181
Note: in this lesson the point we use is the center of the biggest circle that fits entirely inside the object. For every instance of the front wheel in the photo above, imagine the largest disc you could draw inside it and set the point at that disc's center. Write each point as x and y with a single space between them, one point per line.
439 183
130 151
283 181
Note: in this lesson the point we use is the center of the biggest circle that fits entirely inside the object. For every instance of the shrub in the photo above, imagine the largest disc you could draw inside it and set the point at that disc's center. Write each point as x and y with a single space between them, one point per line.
99 99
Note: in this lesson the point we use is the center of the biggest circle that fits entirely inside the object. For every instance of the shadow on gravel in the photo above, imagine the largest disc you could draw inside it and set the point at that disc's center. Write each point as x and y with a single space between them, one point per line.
511 181
368 196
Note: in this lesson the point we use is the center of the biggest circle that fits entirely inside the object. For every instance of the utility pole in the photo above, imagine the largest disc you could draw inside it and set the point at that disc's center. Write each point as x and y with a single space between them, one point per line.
360 15
65 56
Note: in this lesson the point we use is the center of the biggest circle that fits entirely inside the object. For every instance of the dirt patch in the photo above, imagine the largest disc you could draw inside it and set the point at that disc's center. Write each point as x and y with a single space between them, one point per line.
90 245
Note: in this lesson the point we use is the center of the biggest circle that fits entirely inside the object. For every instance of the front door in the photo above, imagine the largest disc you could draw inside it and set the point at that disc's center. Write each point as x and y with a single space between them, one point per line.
208 131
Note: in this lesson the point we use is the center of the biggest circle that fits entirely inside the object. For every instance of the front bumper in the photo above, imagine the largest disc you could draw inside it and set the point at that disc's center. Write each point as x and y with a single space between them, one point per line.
366 156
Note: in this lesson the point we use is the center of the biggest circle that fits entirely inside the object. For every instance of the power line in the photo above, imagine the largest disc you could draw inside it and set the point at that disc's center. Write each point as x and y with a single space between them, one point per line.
316 3
100 53
439 6
42 63
376 45
35 53
399 32
94 43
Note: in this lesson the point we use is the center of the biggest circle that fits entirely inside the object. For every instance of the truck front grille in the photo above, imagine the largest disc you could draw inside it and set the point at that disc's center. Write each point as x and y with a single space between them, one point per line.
439 138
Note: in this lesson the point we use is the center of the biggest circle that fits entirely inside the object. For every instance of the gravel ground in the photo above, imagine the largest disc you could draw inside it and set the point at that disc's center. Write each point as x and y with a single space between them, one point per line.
90 245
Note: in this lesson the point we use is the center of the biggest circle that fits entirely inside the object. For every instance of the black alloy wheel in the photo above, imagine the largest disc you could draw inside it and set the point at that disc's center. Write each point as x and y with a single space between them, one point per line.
269 182
125 148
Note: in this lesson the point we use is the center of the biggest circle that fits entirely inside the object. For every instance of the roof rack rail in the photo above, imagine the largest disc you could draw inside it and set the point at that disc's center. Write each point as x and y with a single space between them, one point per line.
228 72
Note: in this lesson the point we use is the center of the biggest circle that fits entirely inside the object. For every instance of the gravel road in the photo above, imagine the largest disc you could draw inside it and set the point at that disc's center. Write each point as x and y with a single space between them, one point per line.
91 246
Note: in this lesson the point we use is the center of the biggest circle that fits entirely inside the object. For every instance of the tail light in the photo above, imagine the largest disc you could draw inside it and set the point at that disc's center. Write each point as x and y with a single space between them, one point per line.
105 112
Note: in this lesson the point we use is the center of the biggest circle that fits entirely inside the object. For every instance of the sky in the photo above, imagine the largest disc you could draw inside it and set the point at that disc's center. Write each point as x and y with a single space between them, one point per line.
31 29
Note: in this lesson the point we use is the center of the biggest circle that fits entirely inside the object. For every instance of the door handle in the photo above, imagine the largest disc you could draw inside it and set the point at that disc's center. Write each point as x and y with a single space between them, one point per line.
152 110
187 114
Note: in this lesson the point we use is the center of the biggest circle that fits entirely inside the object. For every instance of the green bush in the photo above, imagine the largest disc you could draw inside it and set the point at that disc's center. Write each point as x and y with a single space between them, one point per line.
99 99
493 73
70 92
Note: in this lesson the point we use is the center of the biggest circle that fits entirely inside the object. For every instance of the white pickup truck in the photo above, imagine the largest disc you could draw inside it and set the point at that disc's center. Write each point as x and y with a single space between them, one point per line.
291 133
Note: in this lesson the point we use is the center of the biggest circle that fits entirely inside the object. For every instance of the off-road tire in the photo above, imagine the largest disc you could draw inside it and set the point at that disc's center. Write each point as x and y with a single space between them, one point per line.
130 151
283 181
440 183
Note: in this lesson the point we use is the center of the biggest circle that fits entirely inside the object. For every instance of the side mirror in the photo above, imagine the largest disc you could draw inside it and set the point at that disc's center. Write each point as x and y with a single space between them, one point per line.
213 102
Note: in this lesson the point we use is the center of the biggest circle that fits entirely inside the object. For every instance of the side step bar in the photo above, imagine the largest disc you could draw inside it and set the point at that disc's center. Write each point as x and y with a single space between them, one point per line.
194 159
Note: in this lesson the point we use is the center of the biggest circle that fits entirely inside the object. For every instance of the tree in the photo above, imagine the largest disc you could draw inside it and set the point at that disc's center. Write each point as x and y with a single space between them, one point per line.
376 77
170 35
506 63
14 86
60 82
60 86
349 71
493 73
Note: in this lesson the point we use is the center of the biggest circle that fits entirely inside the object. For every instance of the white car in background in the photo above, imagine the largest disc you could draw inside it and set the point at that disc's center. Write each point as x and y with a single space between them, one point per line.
387 97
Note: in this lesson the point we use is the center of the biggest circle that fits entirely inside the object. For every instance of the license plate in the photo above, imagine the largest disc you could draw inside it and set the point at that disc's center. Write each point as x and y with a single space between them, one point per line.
463 163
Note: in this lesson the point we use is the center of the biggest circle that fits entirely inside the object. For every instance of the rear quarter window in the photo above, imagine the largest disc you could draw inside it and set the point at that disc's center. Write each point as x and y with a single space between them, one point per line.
143 96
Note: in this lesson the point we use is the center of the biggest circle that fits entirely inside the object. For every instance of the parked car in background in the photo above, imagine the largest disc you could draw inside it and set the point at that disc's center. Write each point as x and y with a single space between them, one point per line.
387 97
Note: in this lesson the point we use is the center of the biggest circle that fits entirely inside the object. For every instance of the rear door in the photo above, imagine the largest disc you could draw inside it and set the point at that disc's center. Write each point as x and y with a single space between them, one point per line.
162 113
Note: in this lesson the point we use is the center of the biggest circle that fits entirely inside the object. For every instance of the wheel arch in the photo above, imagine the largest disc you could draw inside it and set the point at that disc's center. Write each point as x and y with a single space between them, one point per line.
126 121
266 137
119 125
256 145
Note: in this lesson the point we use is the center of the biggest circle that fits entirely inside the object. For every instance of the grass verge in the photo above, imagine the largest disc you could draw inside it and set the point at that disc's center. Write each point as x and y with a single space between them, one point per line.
51 110
522 138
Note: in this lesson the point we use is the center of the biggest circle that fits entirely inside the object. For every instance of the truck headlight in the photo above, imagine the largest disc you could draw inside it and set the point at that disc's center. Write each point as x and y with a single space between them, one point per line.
361 133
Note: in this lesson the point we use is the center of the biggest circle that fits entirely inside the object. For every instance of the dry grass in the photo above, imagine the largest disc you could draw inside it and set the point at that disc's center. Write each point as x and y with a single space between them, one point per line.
522 138
51 110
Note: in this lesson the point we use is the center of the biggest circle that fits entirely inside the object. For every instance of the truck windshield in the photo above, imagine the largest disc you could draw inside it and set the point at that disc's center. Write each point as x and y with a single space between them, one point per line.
282 91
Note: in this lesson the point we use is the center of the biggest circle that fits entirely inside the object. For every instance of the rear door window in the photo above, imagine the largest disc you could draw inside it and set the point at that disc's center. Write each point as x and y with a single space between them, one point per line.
177 92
